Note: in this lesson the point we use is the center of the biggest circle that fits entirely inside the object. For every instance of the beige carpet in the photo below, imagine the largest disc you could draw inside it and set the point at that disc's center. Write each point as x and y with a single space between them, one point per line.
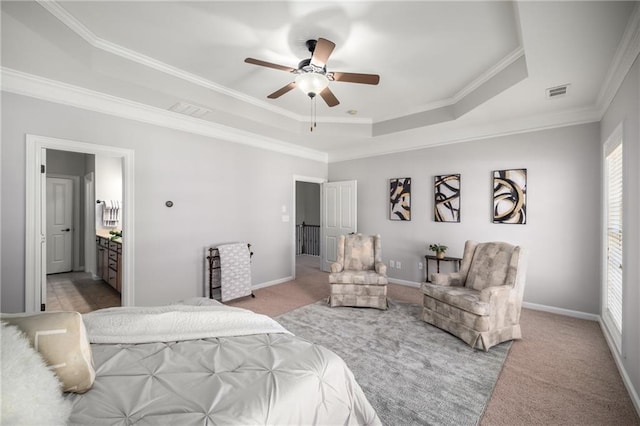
560 373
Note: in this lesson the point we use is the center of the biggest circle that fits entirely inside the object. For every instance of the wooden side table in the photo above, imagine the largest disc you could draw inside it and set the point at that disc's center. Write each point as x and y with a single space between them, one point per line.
429 257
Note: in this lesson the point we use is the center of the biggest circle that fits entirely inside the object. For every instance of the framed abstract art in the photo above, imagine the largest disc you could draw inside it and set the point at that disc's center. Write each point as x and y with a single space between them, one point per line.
510 196
400 199
446 203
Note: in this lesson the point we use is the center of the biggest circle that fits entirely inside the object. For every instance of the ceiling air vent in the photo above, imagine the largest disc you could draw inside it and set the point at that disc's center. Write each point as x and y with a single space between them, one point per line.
189 109
557 92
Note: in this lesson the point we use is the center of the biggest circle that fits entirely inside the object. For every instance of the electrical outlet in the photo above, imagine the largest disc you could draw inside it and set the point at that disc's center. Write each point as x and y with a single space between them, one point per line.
420 265
392 264
398 264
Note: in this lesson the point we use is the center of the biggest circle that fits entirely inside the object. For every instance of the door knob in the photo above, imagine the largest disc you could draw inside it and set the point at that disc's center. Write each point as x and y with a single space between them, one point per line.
66 230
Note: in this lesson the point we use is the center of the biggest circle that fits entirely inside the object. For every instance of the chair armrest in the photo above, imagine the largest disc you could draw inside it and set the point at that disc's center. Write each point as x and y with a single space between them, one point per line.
497 294
381 268
454 279
336 267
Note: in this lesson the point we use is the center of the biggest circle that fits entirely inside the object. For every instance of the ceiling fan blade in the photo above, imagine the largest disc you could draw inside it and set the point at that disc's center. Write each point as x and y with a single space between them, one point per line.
350 77
268 64
282 90
321 52
329 97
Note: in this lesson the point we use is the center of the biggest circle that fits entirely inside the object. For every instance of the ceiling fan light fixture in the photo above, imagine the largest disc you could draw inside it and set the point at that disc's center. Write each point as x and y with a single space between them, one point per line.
312 83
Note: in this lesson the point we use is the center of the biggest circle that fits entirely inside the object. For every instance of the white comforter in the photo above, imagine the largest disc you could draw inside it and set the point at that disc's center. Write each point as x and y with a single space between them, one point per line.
212 366
174 323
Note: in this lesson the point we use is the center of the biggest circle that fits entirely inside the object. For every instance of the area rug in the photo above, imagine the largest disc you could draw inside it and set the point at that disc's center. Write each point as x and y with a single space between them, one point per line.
411 372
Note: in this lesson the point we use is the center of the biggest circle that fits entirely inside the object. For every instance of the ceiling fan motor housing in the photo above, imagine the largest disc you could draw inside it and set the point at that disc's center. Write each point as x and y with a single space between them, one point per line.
311 45
305 66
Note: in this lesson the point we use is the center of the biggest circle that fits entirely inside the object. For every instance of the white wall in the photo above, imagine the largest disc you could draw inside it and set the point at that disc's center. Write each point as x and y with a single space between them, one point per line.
222 192
108 185
562 230
108 178
625 109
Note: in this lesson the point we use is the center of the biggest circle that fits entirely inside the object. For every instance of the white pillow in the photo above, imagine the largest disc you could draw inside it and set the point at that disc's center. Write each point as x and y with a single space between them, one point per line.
31 392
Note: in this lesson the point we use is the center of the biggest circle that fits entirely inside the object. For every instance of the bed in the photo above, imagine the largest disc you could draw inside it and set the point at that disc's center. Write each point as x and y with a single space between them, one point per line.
202 363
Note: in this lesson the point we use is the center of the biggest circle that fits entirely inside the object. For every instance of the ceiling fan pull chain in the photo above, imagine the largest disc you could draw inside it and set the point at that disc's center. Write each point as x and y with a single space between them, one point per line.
311 118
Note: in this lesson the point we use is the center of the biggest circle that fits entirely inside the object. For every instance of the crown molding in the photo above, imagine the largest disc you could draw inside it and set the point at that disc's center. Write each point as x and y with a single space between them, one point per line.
434 136
501 78
483 78
99 43
25 84
62 93
626 54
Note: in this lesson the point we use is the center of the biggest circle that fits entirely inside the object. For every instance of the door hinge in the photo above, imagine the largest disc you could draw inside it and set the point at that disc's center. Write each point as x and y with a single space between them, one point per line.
42 307
42 168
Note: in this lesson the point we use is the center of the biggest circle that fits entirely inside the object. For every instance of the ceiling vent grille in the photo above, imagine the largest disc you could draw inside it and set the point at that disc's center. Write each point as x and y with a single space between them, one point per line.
190 109
557 92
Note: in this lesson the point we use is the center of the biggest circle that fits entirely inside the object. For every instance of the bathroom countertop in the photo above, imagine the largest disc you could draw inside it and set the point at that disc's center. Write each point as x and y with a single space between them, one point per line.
105 234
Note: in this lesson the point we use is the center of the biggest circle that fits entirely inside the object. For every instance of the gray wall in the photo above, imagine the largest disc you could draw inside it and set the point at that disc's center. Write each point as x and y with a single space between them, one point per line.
562 230
625 109
307 203
66 163
223 192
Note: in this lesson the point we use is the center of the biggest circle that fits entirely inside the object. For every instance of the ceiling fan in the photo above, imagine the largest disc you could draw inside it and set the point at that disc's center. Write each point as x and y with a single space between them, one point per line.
312 76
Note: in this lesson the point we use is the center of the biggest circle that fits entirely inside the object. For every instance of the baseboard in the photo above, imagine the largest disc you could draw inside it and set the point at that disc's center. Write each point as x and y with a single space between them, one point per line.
561 311
633 394
405 283
270 283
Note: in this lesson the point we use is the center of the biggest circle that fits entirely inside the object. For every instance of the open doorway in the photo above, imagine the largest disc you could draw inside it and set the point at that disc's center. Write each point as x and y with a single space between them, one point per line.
307 228
73 280
307 231
36 218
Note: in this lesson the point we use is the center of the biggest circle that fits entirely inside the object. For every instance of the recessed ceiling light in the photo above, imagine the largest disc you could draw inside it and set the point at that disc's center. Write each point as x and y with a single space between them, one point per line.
352 112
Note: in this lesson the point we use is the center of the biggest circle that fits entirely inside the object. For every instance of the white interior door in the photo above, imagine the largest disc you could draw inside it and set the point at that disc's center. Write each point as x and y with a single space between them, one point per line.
59 225
339 216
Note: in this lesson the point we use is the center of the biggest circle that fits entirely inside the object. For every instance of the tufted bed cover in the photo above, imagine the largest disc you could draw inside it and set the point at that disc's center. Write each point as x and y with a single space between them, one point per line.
212 365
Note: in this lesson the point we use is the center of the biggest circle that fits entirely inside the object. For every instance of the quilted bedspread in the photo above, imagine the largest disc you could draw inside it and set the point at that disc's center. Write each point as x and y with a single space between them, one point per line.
265 378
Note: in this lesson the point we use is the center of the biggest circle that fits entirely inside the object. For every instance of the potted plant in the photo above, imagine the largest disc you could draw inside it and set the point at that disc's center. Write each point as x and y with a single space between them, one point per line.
439 249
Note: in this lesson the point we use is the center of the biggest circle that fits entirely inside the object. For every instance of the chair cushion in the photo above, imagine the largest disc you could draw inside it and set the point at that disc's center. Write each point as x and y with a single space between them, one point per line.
463 298
489 266
455 320
359 252
358 277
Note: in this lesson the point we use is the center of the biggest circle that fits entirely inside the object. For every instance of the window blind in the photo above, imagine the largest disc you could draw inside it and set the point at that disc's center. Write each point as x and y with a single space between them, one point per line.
614 235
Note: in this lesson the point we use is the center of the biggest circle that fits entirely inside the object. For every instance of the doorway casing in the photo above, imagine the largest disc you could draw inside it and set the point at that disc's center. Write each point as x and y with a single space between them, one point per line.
35 223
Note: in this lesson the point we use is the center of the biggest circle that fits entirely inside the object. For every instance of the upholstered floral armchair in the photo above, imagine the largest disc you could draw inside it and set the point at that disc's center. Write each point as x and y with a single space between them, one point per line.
481 303
358 277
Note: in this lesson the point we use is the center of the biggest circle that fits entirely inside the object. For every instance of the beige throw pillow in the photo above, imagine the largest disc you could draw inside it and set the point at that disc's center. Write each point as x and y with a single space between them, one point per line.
61 339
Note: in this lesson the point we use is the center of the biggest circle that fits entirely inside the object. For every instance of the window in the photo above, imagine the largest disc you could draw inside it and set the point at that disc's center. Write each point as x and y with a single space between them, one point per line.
612 306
